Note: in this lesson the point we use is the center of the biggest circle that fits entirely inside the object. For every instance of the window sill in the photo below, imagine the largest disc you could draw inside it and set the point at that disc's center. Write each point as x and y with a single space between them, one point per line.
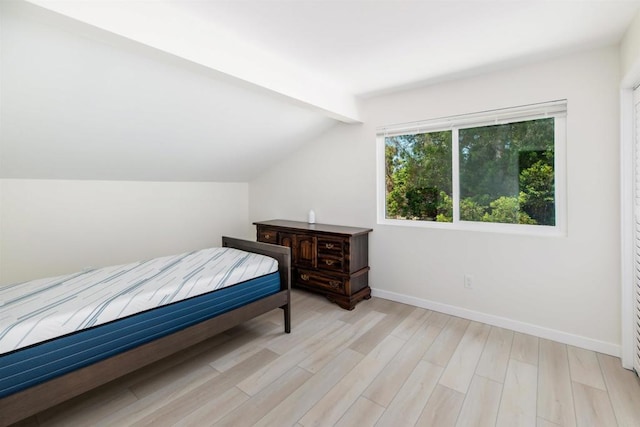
485 227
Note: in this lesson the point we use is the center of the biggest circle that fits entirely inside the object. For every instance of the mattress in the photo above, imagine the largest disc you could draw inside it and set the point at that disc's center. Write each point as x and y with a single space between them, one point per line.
95 314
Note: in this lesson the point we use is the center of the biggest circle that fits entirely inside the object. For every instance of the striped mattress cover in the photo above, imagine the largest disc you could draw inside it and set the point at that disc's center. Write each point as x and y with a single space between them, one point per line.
40 310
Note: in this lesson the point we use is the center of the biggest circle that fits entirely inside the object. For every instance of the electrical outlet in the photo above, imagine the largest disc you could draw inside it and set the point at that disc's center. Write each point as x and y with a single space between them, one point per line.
468 281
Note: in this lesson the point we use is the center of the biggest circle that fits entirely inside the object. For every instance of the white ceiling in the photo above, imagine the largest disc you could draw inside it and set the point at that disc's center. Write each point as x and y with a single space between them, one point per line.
218 90
372 46
326 53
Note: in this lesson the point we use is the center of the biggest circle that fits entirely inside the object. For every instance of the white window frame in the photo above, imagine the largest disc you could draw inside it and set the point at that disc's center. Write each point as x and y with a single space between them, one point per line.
555 109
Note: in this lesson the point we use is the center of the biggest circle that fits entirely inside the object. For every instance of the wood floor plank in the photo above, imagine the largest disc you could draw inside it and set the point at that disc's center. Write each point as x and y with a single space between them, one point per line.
352 316
277 367
314 323
236 355
363 413
495 357
252 342
232 351
202 350
584 367
480 407
372 338
411 323
333 344
271 317
412 397
259 405
624 390
462 365
209 391
438 319
179 374
254 327
166 394
546 423
313 302
555 397
374 304
385 386
518 403
84 410
333 405
593 407
525 348
442 408
387 306
291 409
447 342
211 410
168 404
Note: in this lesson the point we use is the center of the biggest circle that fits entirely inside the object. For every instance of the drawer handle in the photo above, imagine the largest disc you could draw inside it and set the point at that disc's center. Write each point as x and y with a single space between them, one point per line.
304 276
334 283
329 261
329 245
267 236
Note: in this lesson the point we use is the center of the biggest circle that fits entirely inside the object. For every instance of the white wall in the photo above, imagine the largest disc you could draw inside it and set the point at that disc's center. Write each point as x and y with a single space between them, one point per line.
562 288
52 227
630 53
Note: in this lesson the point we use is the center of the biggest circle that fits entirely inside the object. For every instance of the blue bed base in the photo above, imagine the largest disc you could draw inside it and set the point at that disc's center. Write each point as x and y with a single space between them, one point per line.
32 365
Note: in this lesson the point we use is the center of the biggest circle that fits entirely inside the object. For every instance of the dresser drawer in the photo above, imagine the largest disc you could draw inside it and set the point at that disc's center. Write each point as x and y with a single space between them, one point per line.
332 247
330 263
268 236
316 280
331 254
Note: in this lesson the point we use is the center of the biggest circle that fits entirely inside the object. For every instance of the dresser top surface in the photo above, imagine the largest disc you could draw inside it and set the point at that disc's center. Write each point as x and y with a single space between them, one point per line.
323 228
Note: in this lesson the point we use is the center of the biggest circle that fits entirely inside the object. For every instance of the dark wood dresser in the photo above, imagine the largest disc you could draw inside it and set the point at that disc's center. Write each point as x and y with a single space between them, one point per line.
329 259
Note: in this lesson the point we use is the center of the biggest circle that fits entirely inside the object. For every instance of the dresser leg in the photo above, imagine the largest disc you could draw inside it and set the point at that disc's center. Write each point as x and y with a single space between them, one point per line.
343 302
349 302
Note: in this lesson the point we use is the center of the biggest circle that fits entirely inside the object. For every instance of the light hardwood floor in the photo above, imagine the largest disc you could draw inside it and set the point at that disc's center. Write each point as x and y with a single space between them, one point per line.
383 364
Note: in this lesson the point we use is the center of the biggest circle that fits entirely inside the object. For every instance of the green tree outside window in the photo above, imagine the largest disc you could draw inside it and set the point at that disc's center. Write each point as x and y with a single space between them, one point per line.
506 174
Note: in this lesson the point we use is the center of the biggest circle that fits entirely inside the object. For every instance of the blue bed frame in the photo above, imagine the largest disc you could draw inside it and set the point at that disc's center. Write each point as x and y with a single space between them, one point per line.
108 356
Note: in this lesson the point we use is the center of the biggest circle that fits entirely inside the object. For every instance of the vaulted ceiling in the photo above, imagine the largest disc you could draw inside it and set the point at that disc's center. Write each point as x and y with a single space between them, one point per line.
219 90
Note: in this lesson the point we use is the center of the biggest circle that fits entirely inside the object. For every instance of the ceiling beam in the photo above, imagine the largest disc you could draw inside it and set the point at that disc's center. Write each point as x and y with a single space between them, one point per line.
166 27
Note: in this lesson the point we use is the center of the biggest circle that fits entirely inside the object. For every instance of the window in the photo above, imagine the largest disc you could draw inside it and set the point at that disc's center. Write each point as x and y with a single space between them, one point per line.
418 176
499 170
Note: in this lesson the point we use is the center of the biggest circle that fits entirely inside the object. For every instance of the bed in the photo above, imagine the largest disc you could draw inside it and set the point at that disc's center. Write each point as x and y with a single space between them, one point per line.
41 368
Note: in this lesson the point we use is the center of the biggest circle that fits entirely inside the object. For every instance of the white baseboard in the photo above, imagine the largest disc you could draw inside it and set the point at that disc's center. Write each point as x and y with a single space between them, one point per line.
515 325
